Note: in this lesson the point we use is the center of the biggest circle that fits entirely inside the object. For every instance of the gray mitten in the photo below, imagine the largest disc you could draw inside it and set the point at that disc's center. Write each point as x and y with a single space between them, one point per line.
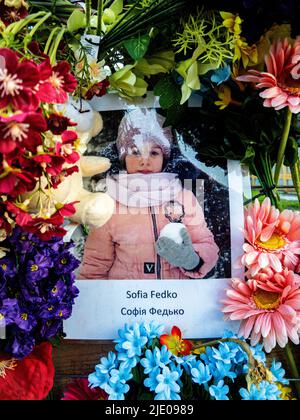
182 255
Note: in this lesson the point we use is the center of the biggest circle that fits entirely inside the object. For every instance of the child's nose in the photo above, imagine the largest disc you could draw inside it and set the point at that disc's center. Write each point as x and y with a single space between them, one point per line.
144 160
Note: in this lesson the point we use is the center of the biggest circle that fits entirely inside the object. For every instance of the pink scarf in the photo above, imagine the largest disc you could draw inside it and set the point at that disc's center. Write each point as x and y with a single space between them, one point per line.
143 190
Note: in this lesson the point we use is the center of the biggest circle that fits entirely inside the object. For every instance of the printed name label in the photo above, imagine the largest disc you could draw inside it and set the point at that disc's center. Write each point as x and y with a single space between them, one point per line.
104 306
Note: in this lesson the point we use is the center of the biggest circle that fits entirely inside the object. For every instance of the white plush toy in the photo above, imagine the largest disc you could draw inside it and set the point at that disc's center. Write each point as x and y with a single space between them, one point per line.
89 122
93 209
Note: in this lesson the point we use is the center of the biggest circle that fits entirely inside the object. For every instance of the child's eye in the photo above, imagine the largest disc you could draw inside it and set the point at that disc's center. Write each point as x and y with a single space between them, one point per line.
154 153
135 152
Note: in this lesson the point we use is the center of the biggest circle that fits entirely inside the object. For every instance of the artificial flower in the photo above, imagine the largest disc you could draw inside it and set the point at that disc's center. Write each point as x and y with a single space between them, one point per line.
286 392
175 343
79 390
127 84
29 379
18 81
56 82
201 374
273 238
167 385
14 181
219 392
58 123
224 95
10 15
116 389
46 228
270 316
242 51
271 281
34 308
281 80
253 394
65 147
99 89
232 22
22 129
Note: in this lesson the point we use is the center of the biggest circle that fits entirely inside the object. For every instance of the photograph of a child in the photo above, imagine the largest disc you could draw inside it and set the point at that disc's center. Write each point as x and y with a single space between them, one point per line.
163 226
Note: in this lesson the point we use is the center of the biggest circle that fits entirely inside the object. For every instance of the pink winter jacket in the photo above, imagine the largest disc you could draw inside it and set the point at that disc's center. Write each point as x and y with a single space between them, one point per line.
124 248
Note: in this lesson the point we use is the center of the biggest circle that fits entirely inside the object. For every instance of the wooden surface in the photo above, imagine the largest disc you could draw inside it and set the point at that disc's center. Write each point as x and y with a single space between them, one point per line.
74 358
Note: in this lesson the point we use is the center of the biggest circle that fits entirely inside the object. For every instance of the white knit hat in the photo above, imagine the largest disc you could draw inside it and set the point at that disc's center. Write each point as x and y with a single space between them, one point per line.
143 125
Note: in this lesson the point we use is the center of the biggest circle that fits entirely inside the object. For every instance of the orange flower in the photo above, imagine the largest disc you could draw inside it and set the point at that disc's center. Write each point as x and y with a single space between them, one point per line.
175 343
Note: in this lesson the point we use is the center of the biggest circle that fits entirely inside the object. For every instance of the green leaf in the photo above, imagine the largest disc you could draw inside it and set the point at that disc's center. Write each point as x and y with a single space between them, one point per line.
137 47
76 21
249 155
168 91
117 7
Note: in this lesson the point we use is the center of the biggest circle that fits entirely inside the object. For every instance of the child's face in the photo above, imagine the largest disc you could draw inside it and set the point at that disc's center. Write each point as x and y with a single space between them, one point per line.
149 160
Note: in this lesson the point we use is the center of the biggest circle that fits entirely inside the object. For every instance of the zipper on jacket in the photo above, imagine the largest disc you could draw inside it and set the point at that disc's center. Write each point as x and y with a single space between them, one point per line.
156 238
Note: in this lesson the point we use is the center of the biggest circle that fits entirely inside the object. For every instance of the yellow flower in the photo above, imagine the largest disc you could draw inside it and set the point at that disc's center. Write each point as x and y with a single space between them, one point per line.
232 22
286 392
245 52
16 3
224 94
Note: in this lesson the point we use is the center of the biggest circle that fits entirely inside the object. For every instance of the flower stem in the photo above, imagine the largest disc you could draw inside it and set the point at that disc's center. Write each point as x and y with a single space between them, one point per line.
40 22
100 13
50 38
88 11
295 171
56 45
283 143
293 367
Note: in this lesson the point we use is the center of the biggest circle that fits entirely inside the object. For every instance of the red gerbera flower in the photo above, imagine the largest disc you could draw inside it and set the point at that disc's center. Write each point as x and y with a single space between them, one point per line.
175 343
56 82
17 82
28 379
22 129
79 390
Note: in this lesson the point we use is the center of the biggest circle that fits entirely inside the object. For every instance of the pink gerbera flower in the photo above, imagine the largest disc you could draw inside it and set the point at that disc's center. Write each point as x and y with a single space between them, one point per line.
56 82
21 130
281 82
273 238
273 316
269 280
17 82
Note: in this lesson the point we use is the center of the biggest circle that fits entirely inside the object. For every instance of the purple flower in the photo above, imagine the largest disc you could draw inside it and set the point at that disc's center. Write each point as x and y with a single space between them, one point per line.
7 268
20 345
39 292
9 312
58 292
50 329
25 321
66 263
37 269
